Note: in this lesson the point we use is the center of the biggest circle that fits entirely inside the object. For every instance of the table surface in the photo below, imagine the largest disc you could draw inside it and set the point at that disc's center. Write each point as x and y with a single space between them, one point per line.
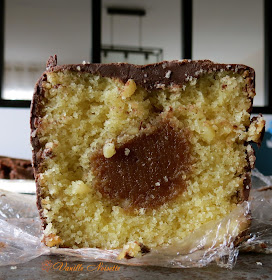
248 266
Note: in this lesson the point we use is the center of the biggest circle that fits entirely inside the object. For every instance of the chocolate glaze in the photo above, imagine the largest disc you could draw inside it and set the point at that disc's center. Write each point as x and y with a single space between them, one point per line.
152 76
14 168
158 75
150 174
35 142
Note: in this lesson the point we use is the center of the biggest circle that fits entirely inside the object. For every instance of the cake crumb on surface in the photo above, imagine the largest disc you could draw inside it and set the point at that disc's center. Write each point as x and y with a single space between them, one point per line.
51 240
168 74
256 128
127 151
132 250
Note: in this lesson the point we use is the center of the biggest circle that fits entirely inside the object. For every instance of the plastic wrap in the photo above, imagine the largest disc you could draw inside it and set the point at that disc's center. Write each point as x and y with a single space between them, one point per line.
20 234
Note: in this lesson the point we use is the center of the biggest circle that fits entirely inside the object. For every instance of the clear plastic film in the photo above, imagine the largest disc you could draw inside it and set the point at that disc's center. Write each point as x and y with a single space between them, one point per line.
20 235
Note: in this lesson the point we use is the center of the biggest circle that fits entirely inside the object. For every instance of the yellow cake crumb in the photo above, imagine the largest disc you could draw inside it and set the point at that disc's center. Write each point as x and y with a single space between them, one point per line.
52 240
130 250
129 89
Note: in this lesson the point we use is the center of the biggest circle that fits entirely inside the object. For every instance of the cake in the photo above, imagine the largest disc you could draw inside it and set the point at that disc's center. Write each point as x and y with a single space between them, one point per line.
15 168
145 155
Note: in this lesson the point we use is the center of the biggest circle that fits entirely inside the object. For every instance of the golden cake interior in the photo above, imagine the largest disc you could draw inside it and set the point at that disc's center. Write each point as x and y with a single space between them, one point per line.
89 124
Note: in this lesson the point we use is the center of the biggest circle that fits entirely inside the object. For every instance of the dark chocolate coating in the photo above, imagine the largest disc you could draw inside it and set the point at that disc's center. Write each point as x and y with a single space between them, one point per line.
15 168
150 77
158 75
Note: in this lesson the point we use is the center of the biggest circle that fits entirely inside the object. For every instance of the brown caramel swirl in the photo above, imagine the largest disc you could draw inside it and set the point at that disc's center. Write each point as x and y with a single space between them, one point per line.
147 171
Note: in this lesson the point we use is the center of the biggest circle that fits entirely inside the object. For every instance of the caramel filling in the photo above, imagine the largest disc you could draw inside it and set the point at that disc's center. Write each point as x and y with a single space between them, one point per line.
147 171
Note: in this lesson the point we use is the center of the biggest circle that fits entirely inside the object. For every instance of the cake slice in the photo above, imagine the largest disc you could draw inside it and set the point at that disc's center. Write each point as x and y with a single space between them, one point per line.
143 155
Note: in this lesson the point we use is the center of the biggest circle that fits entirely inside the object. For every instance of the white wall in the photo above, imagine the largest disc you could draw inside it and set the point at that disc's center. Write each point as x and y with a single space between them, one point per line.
15 133
36 29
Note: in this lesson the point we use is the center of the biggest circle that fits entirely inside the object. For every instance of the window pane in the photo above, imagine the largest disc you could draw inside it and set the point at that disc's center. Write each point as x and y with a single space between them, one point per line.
231 32
36 29
159 28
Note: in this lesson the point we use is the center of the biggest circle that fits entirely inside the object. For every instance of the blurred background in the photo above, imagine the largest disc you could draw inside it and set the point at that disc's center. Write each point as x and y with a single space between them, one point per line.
135 31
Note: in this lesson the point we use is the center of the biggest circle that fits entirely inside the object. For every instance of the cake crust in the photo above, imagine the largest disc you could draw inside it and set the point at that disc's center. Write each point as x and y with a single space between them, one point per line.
150 77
